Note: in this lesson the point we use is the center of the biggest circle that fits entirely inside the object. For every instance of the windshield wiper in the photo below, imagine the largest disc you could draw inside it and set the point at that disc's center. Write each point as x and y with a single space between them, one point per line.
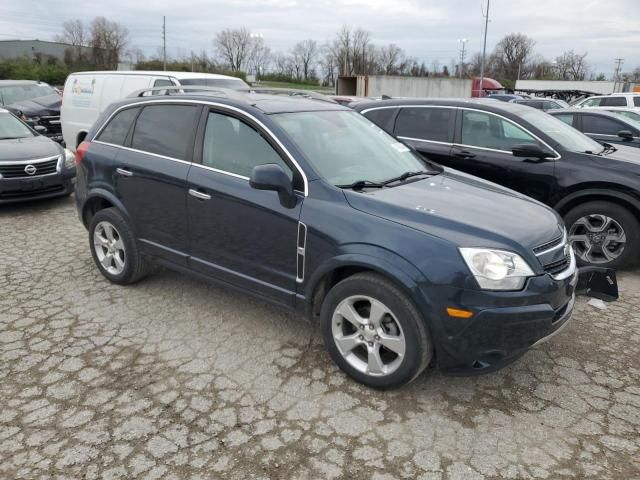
608 148
407 175
360 184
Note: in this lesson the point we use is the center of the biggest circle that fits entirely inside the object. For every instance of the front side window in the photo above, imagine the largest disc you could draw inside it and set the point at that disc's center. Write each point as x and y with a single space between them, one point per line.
165 130
344 147
613 102
426 123
480 129
11 127
118 127
601 125
233 146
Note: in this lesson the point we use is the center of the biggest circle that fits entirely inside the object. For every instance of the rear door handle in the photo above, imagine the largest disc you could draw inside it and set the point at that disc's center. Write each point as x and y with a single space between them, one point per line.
464 154
123 172
199 195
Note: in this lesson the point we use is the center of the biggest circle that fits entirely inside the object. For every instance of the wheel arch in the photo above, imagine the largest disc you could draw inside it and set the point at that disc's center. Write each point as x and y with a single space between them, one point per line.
594 194
97 200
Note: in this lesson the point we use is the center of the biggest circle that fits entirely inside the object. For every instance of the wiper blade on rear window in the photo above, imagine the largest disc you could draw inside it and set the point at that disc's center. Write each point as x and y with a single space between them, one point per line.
360 184
407 175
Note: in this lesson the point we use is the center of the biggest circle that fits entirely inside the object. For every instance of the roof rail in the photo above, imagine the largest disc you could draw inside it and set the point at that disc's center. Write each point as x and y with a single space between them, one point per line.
185 90
292 92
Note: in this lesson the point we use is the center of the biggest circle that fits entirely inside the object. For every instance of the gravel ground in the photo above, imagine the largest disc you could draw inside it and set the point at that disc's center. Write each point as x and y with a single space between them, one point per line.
175 378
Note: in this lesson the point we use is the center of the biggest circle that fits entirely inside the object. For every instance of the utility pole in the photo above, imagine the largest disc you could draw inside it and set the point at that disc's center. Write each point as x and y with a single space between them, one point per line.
616 75
484 48
462 41
164 44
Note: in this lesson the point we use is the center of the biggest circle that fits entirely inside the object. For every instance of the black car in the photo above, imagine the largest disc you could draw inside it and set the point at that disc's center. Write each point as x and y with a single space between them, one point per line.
545 104
601 125
31 165
36 103
311 206
595 187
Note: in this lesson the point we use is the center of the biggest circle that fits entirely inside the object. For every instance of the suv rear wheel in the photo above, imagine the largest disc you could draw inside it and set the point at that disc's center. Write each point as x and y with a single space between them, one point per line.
604 234
114 248
374 333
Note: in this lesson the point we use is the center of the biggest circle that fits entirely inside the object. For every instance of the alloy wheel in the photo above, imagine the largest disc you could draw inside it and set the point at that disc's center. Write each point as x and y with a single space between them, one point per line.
109 248
368 335
597 239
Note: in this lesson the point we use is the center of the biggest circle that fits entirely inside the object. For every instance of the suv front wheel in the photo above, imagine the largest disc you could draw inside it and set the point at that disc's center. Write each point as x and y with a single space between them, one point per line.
374 332
604 234
114 248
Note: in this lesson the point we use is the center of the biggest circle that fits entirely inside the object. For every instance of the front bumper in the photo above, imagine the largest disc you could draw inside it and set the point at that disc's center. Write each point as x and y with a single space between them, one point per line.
15 190
505 325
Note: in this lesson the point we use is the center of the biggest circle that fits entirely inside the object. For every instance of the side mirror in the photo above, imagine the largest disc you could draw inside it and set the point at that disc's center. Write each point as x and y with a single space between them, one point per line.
530 150
40 129
271 176
625 135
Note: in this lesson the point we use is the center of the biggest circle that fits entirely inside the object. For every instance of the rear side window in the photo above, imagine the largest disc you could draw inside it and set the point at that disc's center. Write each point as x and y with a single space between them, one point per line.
118 127
601 125
233 146
566 118
382 117
426 123
166 130
636 101
613 102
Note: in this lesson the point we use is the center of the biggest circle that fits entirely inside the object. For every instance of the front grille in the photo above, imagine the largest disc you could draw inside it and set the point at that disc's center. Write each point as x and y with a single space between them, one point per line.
549 245
52 124
558 266
8 170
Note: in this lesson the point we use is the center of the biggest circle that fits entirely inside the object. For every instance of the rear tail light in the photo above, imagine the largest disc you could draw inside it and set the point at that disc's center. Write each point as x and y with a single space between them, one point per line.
82 149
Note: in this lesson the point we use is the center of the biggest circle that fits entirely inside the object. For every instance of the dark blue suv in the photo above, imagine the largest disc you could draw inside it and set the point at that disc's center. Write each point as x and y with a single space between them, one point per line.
310 205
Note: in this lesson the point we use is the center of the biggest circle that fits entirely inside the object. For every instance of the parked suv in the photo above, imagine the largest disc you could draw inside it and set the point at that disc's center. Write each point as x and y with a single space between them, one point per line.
602 125
595 187
311 206
616 100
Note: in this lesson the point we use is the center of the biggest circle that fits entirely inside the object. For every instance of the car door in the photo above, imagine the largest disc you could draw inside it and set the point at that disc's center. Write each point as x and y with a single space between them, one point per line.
151 176
238 234
429 129
483 146
606 129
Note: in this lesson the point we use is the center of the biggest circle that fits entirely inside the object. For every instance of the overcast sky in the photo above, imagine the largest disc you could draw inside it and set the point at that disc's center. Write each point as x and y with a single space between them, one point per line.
426 29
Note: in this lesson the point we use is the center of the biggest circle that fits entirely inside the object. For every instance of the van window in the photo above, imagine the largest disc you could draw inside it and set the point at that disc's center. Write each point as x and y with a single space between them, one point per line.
166 130
118 127
613 102
426 123
233 146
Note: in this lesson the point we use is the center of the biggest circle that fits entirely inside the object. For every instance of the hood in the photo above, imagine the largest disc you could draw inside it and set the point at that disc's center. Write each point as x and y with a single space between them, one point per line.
29 148
465 210
623 153
40 106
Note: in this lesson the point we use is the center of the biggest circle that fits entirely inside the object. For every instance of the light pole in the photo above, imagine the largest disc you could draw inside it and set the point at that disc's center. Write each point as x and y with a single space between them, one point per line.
463 43
484 49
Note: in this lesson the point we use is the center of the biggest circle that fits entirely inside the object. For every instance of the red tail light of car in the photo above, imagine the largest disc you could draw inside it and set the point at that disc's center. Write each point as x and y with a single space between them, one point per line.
82 149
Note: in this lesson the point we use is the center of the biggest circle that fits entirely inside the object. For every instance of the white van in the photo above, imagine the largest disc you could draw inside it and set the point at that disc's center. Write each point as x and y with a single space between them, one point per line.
87 94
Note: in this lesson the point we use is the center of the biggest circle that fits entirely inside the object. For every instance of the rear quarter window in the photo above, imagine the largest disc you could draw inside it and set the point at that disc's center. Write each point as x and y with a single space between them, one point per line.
116 130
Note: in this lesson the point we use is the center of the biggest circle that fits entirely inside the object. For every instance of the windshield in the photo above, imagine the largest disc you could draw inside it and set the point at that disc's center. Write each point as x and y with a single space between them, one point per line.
18 93
564 135
11 127
344 147
233 83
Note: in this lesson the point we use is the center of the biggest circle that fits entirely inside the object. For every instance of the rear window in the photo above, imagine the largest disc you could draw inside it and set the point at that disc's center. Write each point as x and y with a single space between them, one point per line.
434 124
165 130
118 127
613 102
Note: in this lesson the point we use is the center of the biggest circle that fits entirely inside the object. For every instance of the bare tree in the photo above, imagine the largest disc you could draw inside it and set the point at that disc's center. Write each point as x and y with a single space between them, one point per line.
304 53
108 42
512 53
234 46
74 33
329 66
390 58
571 66
259 56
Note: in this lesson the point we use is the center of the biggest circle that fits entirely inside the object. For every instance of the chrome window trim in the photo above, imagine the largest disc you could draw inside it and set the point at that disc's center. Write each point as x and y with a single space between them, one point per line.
224 172
215 104
423 140
557 157
140 151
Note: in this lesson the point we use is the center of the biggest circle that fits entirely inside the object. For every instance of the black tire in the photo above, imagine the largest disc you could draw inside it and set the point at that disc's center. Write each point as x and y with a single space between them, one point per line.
630 254
136 266
418 349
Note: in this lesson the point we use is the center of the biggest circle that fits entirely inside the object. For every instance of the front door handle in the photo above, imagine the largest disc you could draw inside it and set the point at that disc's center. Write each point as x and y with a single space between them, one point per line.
199 195
464 154
124 172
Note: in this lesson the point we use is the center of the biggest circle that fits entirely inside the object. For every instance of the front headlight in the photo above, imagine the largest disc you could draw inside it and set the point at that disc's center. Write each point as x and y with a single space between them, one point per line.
496 269
69 159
